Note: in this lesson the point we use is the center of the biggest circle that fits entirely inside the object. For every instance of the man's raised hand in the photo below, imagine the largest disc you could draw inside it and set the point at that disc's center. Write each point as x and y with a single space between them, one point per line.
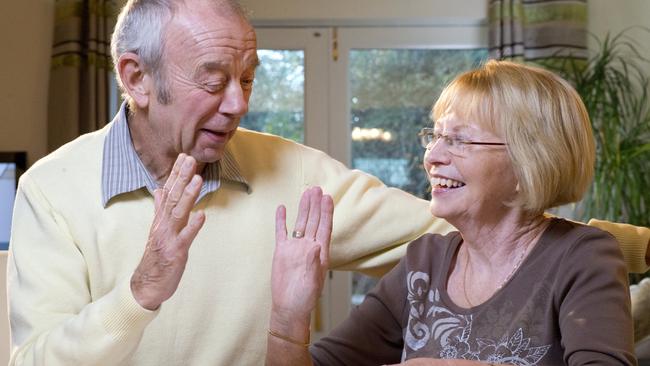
172 232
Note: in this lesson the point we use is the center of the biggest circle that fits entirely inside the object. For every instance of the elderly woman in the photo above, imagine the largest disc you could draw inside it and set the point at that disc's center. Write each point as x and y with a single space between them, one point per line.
512 286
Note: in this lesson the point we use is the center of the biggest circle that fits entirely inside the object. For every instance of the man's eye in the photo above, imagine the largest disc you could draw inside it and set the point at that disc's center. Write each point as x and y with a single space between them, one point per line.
213 87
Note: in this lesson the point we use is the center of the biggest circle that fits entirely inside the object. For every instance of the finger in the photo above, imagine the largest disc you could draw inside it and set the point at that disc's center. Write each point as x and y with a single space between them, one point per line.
324 233
184 176
314 213
169 183
181 212
303 211
174 173
189 232
157 200
157 195
280 224
160 196
313 262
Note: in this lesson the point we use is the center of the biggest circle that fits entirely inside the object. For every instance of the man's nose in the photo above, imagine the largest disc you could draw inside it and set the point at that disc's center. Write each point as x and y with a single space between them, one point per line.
235 101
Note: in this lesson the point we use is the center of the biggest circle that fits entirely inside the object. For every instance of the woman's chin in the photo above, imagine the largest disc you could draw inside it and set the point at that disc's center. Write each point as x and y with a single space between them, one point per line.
439 210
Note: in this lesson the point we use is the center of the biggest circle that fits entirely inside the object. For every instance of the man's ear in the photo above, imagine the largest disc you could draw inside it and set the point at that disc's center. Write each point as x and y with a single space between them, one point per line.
136 82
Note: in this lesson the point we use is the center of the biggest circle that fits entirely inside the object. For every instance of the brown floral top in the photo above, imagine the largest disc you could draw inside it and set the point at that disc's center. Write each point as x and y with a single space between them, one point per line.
567 304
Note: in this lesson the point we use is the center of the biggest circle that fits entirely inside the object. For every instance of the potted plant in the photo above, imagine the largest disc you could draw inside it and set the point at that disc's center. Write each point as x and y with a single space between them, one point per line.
615 89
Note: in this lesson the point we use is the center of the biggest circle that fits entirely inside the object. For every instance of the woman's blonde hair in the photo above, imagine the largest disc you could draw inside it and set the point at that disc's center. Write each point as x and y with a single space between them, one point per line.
541 118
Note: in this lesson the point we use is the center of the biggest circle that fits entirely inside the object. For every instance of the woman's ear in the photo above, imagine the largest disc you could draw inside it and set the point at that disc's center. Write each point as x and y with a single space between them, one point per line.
135 81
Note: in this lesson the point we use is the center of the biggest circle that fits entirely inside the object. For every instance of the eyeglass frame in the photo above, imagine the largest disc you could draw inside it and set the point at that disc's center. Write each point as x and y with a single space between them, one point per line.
427 133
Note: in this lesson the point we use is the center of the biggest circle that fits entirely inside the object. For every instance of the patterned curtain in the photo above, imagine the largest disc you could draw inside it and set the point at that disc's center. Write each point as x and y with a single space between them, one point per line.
539 31
81 68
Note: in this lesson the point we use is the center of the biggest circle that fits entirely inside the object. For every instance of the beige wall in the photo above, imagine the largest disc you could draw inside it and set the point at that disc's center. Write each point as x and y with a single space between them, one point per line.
25 36
365 11
614 16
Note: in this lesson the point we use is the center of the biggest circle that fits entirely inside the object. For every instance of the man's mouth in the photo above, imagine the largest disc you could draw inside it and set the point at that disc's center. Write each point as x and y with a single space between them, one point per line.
218 133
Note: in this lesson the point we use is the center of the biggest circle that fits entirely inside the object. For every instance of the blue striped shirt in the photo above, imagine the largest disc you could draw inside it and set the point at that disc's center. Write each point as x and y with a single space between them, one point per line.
123 171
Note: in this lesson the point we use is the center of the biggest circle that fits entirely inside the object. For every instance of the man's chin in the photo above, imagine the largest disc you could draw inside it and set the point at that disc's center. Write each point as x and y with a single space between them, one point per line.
209 155
210 147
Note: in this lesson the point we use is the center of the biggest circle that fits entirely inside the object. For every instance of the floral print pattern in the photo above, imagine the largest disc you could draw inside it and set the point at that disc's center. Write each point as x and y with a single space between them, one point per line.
430 321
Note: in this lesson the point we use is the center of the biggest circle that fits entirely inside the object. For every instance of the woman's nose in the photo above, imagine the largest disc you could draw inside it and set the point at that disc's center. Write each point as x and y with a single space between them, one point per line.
436 153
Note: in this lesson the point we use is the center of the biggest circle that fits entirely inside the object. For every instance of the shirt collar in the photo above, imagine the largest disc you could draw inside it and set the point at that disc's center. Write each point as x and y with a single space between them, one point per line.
123 171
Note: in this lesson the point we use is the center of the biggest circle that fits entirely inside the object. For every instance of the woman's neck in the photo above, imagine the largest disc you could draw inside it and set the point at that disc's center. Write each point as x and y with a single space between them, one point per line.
489 256
501 239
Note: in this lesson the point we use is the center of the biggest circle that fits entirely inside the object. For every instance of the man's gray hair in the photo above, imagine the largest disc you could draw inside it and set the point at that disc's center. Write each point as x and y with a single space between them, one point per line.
140 29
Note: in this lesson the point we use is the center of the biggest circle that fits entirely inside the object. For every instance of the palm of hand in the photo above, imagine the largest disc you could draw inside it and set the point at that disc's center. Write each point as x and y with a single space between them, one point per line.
300 264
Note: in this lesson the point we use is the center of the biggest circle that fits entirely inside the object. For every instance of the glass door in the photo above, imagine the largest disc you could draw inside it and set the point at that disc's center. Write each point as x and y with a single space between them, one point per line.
367 92
390 78
391 94
288 100
290 85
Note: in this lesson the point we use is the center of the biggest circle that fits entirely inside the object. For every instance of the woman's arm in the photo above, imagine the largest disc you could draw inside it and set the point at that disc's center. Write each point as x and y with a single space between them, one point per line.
594 303
300 263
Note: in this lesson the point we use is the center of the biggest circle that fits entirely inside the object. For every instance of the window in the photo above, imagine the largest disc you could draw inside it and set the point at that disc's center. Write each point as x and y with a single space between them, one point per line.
277 104
391 94
366 93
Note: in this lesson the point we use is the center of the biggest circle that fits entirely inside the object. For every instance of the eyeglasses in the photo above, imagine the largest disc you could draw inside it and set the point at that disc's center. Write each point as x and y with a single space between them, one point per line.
455 144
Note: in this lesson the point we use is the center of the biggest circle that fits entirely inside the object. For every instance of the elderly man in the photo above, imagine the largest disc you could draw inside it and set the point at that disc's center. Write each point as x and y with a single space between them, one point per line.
93 281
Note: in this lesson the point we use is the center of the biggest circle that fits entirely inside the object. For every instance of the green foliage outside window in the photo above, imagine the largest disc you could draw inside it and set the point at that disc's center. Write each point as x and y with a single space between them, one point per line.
277 102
